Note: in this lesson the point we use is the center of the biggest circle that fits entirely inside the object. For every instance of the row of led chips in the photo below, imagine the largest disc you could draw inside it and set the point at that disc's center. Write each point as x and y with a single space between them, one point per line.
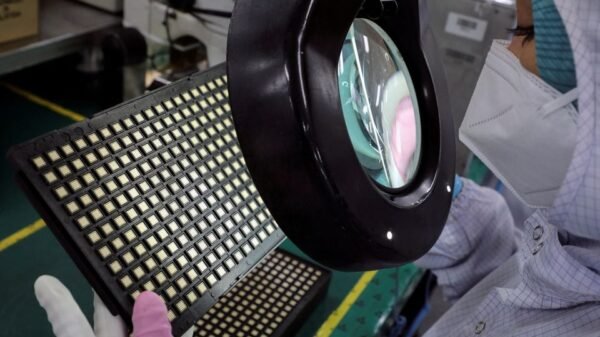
75 185
259 304
162 196
82 143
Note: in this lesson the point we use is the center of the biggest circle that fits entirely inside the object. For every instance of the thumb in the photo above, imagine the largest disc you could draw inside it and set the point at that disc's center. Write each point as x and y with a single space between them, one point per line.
150 316
63 312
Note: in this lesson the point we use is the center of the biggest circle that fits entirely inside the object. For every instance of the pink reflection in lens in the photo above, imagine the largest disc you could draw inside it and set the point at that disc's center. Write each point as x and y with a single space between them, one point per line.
404 136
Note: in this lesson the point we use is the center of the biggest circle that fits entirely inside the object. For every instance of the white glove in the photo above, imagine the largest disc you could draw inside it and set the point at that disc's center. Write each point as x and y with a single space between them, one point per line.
67 320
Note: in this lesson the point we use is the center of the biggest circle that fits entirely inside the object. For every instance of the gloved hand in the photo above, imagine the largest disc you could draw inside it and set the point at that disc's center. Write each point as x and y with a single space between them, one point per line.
149 314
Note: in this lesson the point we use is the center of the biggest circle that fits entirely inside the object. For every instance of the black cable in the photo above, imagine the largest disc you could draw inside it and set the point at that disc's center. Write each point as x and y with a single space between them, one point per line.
212 12
168 26
205 23
195 13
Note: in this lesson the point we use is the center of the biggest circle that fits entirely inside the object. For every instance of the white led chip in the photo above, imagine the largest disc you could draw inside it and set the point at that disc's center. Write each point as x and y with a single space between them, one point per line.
101 172
211 279
116 127
178 100
121 200
159 109
113 166
80 143
67 150
115 146
133 193
139 118
128 123
125 160
53 156
143 207
38 162
50 177
126 140
98 193
103 152
96 214
91 158
137 135
109 207
131 214
77 164
72 207
64 171
111 186
105 132
75 185
238 256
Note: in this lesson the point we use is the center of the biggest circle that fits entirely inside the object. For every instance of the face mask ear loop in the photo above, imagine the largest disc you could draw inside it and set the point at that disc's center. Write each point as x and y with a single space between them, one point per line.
559 102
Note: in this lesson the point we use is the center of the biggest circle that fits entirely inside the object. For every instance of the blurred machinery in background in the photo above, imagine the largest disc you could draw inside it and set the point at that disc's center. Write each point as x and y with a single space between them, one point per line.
464 30
174 25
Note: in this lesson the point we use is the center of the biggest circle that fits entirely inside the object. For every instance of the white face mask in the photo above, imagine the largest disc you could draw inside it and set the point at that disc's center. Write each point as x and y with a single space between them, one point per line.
523 129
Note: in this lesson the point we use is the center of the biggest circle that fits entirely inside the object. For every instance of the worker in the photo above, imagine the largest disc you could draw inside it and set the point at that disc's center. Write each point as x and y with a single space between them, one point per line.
534 120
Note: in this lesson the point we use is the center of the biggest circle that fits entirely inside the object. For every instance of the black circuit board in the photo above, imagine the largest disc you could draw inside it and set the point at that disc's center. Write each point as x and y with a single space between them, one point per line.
153 194
272 301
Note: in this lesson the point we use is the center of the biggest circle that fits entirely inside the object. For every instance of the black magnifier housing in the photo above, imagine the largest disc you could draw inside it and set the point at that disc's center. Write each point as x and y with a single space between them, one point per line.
283 59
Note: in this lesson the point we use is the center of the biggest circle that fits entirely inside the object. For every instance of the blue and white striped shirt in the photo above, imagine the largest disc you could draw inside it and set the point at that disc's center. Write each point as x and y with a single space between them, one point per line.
543 278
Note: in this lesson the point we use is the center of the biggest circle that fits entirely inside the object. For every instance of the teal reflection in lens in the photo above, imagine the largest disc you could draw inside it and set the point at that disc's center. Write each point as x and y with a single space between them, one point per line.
379 105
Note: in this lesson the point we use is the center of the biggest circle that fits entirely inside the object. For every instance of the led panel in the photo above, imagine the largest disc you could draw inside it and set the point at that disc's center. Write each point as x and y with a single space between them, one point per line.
153 195
280 292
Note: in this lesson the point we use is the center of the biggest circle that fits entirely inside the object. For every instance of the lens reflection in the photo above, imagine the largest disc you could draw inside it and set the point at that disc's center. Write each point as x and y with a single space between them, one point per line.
379 105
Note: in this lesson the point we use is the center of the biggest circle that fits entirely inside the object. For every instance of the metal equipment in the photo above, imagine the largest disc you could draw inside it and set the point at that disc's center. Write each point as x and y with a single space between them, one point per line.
464 31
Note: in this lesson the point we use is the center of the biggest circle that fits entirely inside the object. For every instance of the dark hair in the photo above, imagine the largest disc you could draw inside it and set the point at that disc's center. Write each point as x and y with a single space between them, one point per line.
527 31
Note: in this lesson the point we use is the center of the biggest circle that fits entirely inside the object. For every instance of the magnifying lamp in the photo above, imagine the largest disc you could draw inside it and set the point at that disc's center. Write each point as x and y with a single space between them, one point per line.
343 118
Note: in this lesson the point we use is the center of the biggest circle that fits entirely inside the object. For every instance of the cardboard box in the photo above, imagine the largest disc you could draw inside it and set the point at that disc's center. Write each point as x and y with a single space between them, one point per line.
18 19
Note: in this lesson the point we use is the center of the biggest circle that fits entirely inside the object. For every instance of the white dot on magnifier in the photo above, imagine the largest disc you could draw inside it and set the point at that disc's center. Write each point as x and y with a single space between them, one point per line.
448 188
390 235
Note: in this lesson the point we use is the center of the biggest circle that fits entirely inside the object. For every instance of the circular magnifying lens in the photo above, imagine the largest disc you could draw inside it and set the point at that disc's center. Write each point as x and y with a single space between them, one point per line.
380 105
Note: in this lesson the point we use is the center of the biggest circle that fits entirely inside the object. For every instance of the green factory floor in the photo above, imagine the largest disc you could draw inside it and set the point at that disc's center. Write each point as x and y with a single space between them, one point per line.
28 249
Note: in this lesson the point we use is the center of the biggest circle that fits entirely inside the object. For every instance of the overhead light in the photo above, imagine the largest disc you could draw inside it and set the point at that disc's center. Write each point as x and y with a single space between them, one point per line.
510 3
